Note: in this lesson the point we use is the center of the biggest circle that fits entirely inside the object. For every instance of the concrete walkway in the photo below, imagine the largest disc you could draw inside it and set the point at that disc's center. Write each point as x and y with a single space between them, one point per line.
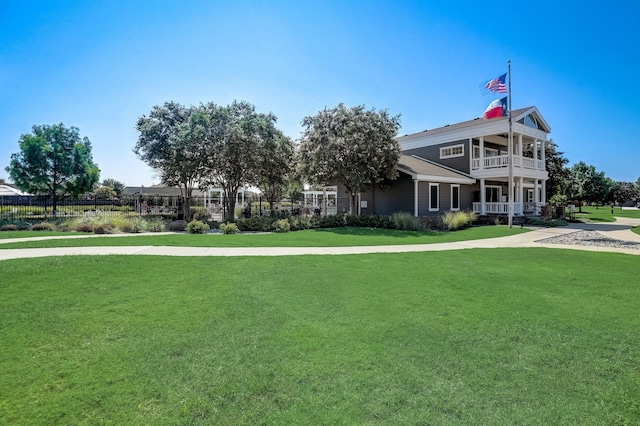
620 230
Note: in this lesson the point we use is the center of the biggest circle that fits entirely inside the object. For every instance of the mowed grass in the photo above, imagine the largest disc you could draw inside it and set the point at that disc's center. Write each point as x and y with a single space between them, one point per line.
603 214
333 237
500 336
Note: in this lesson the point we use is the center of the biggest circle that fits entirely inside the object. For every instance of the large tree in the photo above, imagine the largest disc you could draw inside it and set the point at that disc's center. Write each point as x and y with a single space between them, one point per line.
275 162
55 161
585 183
353 146
117 186
237 142
555 163
172 141
624 191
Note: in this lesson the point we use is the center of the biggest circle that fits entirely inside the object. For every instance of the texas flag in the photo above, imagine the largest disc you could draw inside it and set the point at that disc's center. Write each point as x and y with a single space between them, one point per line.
496 109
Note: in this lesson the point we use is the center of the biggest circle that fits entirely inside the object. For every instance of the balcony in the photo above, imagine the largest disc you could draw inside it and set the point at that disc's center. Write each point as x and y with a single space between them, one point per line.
502 161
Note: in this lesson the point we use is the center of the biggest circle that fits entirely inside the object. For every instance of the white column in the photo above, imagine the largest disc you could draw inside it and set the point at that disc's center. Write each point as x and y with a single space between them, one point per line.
543 143
483 195
535 150
415 197
482 156
521 184
519 152
536 196
544 192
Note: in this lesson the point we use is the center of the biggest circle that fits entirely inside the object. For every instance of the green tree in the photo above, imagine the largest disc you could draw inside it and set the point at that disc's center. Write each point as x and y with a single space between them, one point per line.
353 146
114 184
55 161
172 141
555 163
585 183
275 162
624 191
237 138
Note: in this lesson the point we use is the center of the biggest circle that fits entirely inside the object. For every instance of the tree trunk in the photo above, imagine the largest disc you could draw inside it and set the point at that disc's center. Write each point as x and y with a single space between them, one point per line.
354 203
230 204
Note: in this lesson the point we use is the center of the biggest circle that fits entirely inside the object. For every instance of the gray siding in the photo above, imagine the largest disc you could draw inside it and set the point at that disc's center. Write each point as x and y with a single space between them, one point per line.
433 153
397 197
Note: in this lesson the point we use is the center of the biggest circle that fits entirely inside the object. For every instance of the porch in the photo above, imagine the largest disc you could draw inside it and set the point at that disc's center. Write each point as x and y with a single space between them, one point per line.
503 208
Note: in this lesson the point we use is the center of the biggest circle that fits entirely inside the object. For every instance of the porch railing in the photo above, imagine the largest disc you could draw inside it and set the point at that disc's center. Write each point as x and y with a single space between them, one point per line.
501 161
497 208
503 208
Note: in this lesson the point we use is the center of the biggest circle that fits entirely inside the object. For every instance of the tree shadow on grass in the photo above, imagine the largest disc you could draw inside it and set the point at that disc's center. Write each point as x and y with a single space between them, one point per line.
379 232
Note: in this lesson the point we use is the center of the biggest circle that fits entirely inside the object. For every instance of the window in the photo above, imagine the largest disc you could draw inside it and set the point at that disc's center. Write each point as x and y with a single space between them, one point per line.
493 194
455 197
452 151
434 204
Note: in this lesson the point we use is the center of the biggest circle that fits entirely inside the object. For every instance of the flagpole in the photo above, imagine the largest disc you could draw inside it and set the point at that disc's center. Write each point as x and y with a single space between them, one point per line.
510 151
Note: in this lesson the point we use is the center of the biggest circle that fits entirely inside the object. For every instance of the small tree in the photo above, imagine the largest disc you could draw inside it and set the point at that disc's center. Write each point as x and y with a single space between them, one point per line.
117 186
55 161
352 146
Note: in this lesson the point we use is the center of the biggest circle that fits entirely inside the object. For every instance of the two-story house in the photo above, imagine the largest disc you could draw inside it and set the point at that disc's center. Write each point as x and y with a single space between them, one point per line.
465 166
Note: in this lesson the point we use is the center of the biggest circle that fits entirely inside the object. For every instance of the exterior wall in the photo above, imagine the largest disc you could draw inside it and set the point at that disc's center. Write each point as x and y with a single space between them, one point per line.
397 197
433 153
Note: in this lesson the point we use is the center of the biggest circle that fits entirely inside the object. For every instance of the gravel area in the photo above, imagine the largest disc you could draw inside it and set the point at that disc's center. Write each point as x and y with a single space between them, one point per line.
589 238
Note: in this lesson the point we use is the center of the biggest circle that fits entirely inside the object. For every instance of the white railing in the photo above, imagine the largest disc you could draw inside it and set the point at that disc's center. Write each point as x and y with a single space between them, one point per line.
497 208
532 207
501 161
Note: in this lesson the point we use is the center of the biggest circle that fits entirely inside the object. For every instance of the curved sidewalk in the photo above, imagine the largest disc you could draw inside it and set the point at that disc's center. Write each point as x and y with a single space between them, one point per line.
620 230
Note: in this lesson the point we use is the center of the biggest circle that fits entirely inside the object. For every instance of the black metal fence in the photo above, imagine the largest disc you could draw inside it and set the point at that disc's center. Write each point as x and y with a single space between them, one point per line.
38 208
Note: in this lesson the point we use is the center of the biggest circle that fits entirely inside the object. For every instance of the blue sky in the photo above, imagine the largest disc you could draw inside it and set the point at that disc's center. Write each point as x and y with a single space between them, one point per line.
99 65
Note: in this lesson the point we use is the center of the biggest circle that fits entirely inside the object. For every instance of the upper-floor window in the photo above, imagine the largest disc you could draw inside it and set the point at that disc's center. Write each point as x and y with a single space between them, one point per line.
452 151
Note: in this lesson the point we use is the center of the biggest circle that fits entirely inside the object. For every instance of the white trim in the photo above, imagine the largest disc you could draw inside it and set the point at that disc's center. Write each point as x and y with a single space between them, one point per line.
451 148
455 209
437 186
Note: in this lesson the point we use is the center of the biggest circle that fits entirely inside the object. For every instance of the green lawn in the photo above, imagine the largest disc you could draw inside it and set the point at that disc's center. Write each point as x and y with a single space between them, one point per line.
603 214
5 235
333 237
500 336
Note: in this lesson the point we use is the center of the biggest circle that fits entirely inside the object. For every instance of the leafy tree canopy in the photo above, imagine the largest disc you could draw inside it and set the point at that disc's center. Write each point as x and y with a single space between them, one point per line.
585 183
172 142
352 146
117 186
54 160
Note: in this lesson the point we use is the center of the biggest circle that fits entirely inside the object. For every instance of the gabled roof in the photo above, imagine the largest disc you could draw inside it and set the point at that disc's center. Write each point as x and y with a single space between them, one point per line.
422 169
477 124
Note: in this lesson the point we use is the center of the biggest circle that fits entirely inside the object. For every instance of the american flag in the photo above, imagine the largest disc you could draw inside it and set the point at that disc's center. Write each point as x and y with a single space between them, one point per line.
497 84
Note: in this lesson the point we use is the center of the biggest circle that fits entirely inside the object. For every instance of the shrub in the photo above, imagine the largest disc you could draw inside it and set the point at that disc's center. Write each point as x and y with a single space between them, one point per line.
256 224
133 225
43 226
299 223
282 225
84 227
177 226
457 220
229 228
9 227
406 222
333 221
155 225
197 227
200 213
103 228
